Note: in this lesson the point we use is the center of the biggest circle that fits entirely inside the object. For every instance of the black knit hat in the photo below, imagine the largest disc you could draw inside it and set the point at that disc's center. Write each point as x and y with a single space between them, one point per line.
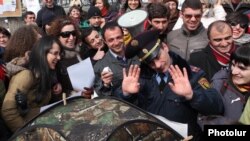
94 11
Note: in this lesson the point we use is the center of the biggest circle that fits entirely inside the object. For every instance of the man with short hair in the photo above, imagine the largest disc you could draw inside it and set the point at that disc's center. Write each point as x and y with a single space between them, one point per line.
192 36
217 53
29 18
93 44
49 6
158 18
94 20
108 70
166 85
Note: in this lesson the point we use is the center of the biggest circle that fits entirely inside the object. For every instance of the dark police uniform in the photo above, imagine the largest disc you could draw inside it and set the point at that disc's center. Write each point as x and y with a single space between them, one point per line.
166 103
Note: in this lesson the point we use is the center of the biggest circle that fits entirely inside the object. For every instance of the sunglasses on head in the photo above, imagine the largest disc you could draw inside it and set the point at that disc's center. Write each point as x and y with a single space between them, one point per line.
189 16
67 34
241 24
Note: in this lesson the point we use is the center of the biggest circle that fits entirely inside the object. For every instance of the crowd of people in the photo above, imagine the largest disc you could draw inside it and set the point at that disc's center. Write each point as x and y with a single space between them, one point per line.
190 65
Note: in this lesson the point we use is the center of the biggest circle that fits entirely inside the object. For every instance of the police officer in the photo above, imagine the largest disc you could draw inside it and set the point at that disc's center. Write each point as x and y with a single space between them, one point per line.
166 85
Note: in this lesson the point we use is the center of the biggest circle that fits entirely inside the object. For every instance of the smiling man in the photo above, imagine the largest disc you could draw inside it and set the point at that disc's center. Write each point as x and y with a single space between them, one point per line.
94 46
29 18
108 70
192 36
217 53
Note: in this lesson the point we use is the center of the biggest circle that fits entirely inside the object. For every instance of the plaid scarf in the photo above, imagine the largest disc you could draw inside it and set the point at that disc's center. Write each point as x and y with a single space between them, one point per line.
222 58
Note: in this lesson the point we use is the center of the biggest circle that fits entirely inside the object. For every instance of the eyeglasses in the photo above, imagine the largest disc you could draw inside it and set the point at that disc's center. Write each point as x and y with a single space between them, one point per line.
189 16
56 53
241 24
67 34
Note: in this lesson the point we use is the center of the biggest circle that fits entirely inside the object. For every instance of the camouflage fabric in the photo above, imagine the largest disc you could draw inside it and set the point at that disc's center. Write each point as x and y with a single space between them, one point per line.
90 120
39 134
142 130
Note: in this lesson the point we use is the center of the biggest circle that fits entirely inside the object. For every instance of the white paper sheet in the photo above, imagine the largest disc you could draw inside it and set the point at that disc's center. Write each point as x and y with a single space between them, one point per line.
73 95
81 75
48 106
181 128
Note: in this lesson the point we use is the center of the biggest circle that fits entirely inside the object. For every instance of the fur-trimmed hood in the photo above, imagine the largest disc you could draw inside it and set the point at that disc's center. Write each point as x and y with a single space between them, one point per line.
16 65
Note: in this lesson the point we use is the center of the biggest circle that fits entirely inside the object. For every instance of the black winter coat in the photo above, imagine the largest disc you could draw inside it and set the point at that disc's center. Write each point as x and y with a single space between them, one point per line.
205 60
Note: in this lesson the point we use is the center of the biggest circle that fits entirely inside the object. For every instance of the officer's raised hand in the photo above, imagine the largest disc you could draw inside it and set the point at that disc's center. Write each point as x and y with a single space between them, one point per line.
180 85
130 83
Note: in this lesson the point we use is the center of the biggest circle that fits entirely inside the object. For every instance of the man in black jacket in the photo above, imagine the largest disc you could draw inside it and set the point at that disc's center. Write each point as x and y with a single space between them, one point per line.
49 6
217 53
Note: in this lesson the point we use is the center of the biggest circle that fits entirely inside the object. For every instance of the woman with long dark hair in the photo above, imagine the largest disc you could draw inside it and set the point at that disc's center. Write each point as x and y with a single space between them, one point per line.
32 88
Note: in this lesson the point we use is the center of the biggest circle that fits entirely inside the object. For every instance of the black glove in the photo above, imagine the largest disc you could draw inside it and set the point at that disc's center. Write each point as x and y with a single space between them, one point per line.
21 102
